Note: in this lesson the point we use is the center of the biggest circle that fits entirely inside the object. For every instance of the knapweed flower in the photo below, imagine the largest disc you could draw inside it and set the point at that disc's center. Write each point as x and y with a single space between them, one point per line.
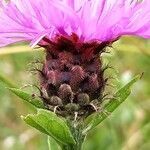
74 33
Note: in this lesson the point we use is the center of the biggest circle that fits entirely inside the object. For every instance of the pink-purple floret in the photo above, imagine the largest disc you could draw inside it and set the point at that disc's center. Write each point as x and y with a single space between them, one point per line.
102 20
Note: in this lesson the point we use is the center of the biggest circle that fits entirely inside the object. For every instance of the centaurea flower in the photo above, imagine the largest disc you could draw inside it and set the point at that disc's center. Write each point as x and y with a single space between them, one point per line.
74 33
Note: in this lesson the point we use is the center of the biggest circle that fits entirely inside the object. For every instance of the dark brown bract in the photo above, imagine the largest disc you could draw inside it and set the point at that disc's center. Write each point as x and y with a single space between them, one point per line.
72 78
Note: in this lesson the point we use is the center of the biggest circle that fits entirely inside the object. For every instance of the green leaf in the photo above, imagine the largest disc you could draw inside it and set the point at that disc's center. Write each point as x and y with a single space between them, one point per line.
23 95
48 123
120 96
52 144
7 82
27 97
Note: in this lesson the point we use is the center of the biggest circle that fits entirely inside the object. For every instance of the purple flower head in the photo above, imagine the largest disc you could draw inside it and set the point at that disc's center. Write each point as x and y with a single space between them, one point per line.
102 20
74 34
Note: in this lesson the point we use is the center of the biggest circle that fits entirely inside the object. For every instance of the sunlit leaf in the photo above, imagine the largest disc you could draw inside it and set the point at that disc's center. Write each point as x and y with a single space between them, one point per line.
120 96
48 123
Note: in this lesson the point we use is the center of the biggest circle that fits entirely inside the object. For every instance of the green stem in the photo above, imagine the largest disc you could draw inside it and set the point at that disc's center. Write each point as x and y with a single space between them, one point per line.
78 146
78 136
53 145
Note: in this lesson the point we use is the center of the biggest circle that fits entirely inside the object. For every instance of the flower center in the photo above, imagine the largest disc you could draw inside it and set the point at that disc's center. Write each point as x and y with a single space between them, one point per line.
72 78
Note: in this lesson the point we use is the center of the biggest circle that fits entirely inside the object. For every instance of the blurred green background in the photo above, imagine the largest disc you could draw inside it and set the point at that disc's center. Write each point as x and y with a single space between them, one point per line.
128 128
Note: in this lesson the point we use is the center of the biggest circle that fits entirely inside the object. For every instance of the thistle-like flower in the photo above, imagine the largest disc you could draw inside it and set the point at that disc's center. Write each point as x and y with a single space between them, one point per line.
74 34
